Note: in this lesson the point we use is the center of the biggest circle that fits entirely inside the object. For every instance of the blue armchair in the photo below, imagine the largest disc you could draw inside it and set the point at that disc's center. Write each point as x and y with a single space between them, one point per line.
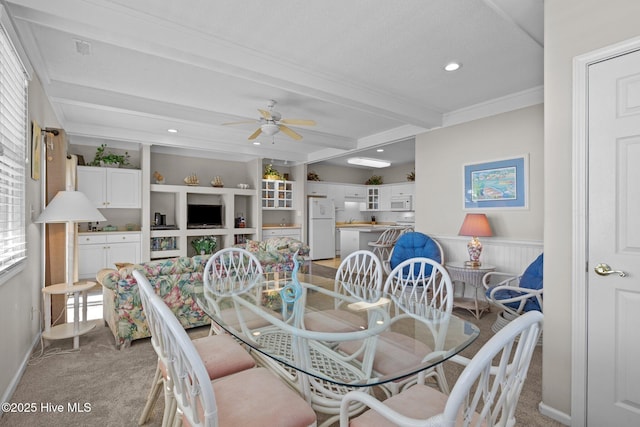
515 295
413 244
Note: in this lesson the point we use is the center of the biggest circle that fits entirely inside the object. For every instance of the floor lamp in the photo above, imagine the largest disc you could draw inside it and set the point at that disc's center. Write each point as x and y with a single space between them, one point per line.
68 207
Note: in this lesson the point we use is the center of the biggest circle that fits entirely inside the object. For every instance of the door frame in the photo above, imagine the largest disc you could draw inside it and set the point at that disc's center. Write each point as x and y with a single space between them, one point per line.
579 257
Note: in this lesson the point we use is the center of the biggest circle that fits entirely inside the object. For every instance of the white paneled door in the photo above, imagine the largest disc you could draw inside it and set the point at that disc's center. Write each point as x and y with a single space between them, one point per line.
613 355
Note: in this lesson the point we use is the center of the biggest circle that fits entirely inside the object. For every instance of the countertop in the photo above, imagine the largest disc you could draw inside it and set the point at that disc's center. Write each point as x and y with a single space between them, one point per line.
363 225
267 226
110 232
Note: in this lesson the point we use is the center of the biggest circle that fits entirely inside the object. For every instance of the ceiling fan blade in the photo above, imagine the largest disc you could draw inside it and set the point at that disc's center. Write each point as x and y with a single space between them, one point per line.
255 134
239 123
299 122
265 114
290 132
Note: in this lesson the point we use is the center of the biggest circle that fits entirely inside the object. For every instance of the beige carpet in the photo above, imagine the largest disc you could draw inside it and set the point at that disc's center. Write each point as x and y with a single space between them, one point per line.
111 386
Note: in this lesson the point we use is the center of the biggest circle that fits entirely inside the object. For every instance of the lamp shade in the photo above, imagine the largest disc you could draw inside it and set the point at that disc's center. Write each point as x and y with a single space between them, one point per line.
71 206
475 225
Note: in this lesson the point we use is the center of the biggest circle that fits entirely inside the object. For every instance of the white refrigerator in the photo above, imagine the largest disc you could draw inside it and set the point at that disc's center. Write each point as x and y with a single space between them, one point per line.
322 228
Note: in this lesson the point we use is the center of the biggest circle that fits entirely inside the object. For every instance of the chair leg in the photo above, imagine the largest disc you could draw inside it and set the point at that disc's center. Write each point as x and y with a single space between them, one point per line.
169 417
443 385
154 394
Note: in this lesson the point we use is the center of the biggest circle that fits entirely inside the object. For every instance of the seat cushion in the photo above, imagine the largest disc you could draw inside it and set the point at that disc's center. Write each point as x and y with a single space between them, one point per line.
412 245
395 352
334 321
222 355
256 397
532 276
419 402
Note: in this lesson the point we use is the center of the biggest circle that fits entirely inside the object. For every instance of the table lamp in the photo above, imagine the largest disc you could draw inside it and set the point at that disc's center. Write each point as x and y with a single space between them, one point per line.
70 207
475 225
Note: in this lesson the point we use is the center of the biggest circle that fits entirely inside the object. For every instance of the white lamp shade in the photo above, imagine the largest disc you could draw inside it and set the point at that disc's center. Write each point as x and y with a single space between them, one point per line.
71 206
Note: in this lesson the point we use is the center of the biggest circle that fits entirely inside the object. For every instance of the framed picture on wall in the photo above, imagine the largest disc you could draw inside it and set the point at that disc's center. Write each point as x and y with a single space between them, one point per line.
499 184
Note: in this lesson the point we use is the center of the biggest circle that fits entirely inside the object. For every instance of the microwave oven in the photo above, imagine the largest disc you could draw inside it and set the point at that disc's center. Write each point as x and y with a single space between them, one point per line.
401 203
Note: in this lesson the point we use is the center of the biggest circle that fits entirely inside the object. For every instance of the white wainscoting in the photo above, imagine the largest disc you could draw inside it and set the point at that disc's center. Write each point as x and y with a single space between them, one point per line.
510 256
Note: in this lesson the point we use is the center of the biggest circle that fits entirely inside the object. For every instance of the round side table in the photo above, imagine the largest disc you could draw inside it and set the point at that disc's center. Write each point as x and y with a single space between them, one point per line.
459 272
67 330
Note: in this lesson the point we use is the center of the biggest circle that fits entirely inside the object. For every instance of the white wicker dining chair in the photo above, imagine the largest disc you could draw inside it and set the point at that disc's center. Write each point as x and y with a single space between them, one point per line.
421 288
232 263
237 399
358 275
221 354
483 394
382 246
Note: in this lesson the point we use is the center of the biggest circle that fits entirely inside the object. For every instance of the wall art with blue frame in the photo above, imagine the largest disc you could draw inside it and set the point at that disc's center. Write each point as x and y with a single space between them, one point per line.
496 184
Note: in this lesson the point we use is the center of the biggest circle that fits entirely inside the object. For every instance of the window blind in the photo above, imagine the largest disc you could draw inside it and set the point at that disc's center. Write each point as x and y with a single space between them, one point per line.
13 152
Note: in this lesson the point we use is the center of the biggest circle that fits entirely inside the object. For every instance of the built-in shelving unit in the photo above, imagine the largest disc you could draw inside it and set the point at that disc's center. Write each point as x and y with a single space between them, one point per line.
172 201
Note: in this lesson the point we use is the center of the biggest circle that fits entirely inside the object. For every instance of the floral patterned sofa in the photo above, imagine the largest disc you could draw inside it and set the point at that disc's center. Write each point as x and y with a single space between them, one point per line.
276 253
173 279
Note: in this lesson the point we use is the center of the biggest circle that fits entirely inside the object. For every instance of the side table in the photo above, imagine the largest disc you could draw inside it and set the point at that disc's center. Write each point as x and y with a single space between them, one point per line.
460 272
67 330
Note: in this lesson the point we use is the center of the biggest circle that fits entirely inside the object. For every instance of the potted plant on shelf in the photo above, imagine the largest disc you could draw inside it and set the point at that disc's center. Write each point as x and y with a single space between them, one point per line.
411 176
204 245
109 159
271 173
312 176
374 180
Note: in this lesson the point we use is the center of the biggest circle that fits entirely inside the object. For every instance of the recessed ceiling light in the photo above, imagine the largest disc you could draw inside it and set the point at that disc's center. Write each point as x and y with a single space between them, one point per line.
380 150
363 161
452 66
256 142
172 130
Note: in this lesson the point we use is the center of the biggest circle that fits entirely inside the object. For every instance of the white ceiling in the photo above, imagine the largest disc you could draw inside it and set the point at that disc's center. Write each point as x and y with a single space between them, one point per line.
369 72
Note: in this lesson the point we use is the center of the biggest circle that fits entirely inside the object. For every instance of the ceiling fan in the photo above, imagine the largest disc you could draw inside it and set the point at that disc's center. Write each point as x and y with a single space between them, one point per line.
272 122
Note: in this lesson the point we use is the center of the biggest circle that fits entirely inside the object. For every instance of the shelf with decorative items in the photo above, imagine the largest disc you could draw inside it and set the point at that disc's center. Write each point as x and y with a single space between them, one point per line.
277 194
176 237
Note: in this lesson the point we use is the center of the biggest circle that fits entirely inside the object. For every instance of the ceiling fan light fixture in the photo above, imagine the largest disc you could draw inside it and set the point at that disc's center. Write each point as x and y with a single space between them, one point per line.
270 129
364 161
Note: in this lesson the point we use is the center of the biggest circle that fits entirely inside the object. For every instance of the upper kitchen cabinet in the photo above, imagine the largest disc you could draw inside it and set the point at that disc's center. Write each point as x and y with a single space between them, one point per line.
405 189
378 198
111 187
277 194
316 189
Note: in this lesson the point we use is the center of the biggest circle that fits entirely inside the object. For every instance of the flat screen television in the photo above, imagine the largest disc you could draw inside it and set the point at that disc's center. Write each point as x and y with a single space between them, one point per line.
205 216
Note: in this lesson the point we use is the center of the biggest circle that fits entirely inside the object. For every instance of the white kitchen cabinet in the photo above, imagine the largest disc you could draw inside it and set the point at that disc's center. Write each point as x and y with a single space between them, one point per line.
355 192
294 233
405 189
277 194
111 187
384 195
378 198
101 250
315 188
373 198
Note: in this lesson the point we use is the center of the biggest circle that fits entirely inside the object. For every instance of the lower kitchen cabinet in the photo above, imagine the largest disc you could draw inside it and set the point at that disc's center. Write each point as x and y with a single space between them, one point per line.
282 232
101 250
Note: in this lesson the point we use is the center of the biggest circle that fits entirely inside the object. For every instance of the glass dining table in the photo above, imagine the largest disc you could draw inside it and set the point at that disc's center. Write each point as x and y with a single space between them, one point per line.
268 315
